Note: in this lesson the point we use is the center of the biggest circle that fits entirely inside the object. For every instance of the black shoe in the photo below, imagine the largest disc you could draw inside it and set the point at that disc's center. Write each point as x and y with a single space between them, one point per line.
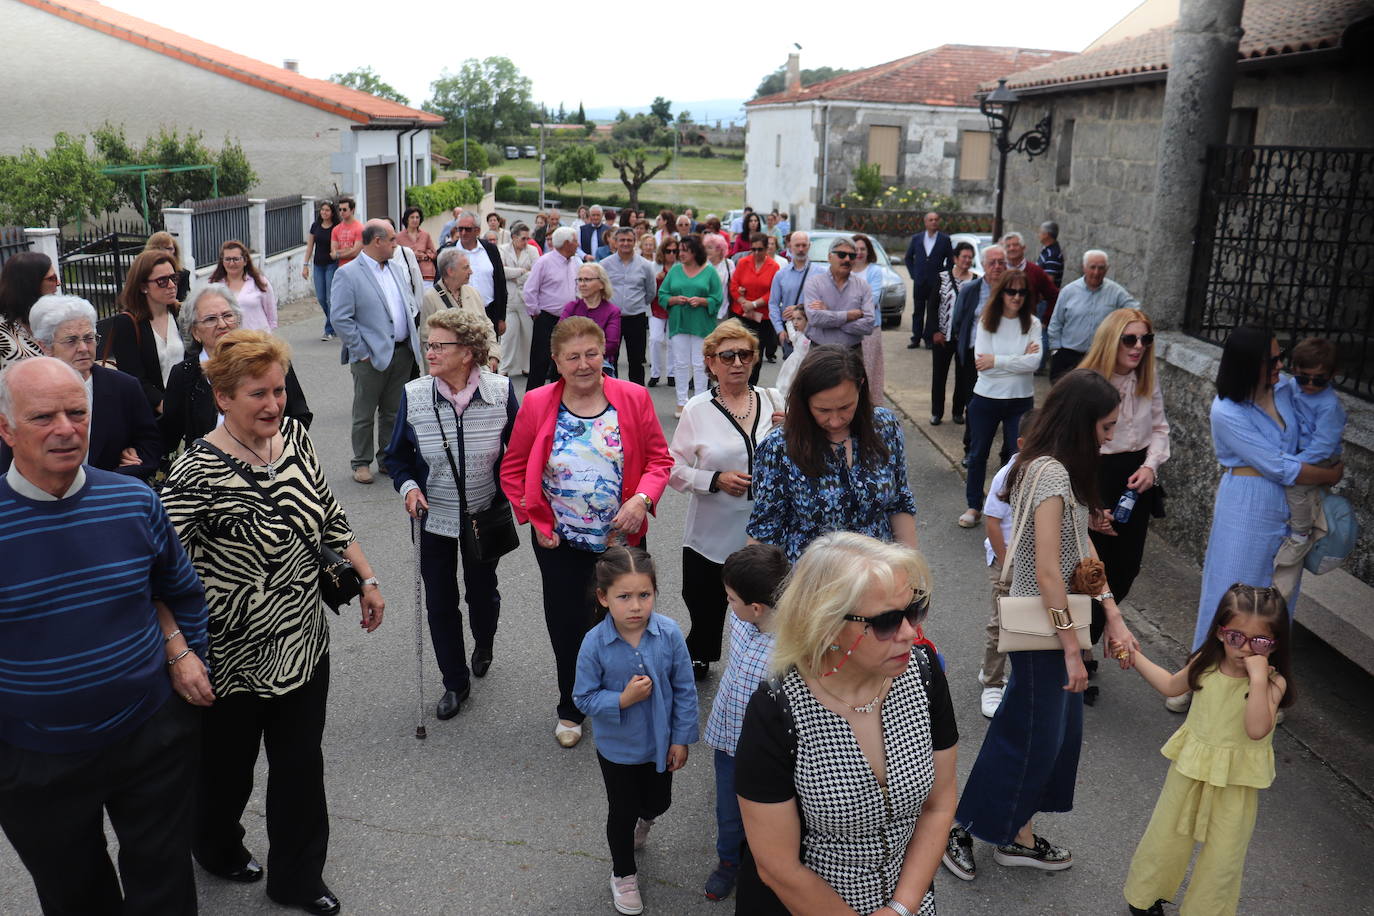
914 345
671 381
246 873
1090 695
958 419
772 359
701 670
1090 663
451 702
481 662
1156 909
653 382
963 462
326 904
935 421
958 857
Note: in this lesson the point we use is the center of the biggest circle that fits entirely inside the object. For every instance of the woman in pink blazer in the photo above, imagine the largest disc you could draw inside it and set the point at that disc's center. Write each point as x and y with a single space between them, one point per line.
586 464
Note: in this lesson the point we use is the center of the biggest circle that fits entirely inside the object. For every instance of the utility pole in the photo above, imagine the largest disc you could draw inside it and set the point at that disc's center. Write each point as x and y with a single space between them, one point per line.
542 111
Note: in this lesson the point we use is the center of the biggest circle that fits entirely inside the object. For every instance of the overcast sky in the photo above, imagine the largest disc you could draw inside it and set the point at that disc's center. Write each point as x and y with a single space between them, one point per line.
672 50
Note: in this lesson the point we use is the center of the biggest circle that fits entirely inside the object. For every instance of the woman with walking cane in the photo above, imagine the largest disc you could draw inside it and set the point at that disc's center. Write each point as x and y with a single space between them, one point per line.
452 428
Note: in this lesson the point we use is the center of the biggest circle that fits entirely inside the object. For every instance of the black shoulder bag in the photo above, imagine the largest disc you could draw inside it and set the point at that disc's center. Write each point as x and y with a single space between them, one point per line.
489 535
339 581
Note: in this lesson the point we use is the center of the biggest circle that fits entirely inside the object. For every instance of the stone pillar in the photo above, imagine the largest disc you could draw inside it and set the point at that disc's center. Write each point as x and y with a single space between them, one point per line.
178 223
44 241
307 214
257 228
1197 106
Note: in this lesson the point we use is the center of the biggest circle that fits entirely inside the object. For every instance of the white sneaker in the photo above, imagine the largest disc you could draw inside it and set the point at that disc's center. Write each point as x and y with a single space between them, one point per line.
625 895
1179 703
642 827
992 698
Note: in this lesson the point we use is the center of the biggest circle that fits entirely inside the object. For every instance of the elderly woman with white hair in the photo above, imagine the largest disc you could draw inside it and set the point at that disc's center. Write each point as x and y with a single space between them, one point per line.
123 436
845 763
451 290
188 410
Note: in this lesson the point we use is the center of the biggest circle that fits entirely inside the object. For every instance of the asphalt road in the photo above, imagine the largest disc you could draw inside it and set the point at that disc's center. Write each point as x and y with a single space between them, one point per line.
490 815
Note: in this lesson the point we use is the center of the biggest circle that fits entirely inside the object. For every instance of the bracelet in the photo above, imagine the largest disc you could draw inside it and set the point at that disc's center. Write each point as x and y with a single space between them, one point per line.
171 636
1059 616
899 908
179 656
1104 596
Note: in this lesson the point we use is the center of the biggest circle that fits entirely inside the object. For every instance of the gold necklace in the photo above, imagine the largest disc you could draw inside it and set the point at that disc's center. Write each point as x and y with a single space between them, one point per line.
866 707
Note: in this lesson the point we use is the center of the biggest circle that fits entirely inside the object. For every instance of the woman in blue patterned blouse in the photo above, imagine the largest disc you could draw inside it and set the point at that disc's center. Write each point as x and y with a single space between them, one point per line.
837 464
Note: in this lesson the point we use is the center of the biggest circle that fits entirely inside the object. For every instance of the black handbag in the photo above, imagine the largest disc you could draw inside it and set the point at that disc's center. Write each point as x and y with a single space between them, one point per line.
490 534
339 581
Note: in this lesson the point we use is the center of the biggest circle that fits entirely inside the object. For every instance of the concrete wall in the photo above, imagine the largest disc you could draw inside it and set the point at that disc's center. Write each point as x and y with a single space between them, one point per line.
786 182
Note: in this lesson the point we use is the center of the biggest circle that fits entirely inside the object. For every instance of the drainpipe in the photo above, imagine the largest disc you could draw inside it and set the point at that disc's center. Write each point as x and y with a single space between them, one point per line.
825 159
401 168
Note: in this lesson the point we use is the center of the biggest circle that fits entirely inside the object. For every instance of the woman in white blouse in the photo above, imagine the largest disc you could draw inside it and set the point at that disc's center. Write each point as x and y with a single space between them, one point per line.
518 259
1123 353
1006 349
713 462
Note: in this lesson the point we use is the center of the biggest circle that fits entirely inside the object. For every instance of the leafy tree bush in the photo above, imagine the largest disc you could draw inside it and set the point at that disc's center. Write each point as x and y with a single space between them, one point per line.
58 185
172 148
577 163
630 160
444 195
364 79
486 91
505 183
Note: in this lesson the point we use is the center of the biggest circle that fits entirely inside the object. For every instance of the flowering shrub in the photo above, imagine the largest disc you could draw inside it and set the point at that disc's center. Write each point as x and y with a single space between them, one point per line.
869 191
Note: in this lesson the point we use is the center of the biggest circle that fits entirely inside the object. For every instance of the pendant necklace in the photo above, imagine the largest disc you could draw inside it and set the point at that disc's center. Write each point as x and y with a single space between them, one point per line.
271 468
866 707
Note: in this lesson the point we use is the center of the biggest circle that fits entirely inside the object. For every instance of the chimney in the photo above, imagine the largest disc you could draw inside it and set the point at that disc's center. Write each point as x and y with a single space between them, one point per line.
794 72
293 65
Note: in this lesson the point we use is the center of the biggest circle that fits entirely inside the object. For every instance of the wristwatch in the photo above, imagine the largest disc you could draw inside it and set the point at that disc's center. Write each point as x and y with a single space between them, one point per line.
372 580
648 501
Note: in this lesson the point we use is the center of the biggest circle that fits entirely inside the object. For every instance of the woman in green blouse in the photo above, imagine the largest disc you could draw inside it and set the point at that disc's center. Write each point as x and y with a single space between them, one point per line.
692 294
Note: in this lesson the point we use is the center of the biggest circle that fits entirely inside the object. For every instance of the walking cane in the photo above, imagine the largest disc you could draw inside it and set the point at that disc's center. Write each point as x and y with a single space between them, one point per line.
416 526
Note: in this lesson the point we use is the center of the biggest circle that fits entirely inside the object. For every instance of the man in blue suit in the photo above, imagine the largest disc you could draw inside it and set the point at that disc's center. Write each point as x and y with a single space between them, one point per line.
928 254
592 233
373 309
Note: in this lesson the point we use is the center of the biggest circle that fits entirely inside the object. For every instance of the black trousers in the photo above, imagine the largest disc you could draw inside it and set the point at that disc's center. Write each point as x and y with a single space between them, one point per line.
634 340
920 304
291 727
703 592
633 790
768 339
942 356
965 377
566 574
439 558
1121 553
52 809
757 327
1062 362
541 355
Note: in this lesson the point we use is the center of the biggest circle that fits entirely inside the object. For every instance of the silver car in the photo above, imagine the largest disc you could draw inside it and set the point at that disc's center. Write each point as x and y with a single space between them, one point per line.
892 297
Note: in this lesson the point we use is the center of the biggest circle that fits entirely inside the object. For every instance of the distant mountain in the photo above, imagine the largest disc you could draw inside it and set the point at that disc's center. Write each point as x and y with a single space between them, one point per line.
707 111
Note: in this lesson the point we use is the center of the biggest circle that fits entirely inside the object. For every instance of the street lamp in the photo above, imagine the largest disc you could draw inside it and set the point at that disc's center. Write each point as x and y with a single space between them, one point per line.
999 107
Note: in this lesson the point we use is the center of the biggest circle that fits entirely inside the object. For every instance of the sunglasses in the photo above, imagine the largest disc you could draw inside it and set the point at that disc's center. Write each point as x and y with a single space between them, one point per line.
844 255
1272 361
1144 340
670 251
743 357
1261 645
758 249
163 282
1316 381
886 624
1017 291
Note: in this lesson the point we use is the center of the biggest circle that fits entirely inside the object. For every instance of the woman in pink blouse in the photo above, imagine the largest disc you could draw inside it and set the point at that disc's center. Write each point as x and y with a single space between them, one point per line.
256 300
418 241
1123 352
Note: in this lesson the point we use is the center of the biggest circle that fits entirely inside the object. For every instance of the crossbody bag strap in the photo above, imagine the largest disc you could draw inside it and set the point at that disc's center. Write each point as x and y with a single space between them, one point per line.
1021 518
267 497
458 479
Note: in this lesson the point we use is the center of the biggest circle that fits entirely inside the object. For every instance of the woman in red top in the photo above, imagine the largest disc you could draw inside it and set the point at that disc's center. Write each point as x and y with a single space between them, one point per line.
752 282
752 224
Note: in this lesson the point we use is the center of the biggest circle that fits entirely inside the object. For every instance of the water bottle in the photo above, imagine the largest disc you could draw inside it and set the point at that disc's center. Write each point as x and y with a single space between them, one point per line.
1124 506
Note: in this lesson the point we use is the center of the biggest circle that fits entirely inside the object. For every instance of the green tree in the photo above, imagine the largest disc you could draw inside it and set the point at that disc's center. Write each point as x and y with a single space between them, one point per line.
58 185
488 91
477 159
581 114
630 160
777 80
684 117
562 116
577 162
366 80
642 128
662 109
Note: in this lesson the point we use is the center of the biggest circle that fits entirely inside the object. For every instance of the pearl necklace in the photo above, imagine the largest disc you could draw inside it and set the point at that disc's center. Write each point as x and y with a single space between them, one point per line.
720 396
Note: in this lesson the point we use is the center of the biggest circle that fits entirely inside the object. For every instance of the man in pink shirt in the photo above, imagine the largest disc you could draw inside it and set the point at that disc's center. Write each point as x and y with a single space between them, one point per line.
552 284
346 239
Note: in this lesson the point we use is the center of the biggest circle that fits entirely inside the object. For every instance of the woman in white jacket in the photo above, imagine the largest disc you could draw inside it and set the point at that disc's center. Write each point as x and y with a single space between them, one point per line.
517 258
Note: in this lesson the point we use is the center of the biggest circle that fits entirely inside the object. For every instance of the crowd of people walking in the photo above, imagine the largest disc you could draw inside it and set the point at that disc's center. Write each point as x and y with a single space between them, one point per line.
832 729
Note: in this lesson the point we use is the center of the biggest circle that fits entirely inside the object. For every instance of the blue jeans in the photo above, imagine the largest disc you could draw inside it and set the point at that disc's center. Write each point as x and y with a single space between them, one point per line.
323 277
729 823
1029 758
984 416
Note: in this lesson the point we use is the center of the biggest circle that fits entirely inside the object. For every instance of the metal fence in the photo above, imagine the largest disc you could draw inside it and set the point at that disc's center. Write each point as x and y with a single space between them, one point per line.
1286 239
12 241
216 221
284 230
93 264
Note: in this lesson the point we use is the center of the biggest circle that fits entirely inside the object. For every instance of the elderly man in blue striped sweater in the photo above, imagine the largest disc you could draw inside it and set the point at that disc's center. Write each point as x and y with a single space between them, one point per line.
102 628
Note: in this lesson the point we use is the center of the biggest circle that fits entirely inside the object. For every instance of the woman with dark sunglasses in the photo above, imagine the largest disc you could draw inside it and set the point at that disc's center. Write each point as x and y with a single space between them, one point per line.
845 763
1122 352
143 338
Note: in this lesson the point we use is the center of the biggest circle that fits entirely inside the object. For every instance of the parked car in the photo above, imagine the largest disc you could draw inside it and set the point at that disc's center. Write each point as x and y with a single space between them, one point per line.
729 218
512 152
891 298
530 152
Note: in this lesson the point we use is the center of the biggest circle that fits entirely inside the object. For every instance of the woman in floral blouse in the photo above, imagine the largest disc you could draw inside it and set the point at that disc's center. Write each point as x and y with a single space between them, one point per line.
837 464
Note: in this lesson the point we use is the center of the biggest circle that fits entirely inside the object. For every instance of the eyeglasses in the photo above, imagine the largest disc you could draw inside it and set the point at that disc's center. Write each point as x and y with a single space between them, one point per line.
229 319
1144 340
588 279
758 249
1262 645
886 624
1316 381
232 259
743 357
89 340
1017 291
437 346
467 228
844 255
670 251
163 282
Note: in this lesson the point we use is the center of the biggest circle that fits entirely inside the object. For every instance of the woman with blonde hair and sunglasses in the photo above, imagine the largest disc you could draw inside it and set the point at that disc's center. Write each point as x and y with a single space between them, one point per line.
845 763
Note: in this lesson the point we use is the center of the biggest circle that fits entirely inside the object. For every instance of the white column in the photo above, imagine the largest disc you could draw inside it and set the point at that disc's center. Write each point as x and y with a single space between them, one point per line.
257 228
307 214
44 241
178 223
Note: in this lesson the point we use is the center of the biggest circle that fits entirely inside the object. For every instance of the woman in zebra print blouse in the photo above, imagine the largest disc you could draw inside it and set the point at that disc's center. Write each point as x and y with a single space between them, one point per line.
251 506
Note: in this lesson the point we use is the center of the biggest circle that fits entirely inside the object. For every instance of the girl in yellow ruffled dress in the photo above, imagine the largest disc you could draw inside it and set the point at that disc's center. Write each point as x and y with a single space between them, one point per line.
1222 756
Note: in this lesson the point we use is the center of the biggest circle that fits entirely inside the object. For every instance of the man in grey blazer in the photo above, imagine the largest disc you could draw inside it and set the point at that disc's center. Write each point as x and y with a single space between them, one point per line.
373 309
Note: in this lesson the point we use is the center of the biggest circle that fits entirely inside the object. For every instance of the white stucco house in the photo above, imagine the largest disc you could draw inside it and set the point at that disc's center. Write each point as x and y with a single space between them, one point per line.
75 64
916 117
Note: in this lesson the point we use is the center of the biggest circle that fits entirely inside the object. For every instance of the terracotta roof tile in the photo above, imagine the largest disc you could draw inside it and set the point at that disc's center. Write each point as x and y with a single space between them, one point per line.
1272 28
349 103
945 76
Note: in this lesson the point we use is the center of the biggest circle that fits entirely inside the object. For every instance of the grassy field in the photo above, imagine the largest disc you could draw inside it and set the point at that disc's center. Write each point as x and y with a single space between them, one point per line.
715 169
709 185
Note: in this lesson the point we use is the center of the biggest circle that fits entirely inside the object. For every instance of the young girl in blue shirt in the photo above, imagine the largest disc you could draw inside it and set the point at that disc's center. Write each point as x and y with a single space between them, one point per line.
634 680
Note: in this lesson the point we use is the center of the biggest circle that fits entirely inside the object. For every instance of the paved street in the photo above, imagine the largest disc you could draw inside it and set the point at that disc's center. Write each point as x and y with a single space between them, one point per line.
489 815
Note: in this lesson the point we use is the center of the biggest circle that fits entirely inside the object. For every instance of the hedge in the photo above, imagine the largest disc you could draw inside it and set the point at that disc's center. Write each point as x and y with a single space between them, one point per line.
445 195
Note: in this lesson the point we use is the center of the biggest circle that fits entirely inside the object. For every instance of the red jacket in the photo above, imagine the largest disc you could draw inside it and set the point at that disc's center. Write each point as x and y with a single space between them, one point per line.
646 465
1043 284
